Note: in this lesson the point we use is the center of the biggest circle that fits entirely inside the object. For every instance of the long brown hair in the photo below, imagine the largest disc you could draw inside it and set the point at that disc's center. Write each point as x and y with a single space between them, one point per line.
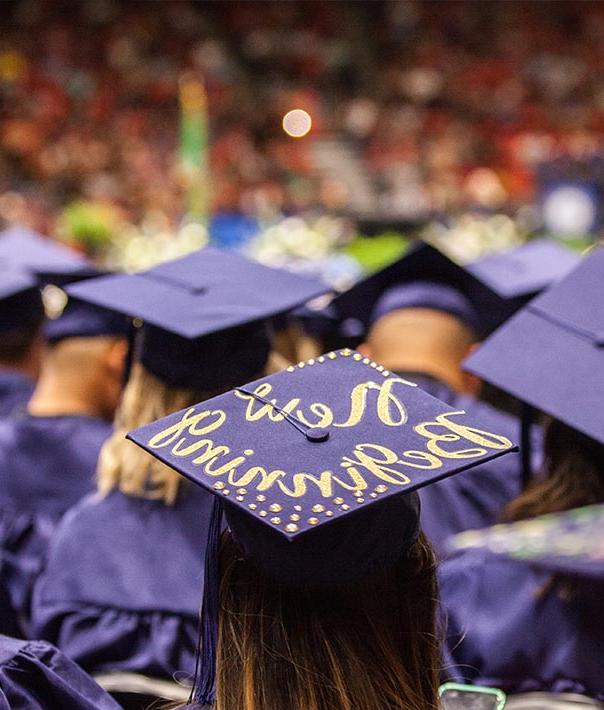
374 644
572 475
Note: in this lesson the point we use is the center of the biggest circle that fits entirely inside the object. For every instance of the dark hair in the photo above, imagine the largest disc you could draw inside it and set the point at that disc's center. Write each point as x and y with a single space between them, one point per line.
16 343
572 475
374 643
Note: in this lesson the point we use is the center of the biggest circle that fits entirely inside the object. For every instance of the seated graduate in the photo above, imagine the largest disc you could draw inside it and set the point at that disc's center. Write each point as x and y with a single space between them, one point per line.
27 260
518 628
552 567
421 317
36 676
21 343
121 589
49 451
322 593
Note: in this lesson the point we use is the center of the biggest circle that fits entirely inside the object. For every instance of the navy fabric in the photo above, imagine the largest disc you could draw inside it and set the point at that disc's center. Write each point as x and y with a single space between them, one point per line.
216 361
20 299
426 264
14 280
510 628
204 316
15 391
568 543
475 498
36 676
85 320
47 464
20 247
426 294
123 583
551 353
524 271
205 292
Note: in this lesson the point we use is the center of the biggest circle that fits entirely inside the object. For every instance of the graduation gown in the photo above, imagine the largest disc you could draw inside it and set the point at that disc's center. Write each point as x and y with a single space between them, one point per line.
474 498
47 464
15 391
124 581
36 676
509 630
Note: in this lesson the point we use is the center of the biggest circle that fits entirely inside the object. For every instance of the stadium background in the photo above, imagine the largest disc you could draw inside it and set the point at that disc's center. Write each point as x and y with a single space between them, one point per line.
139 130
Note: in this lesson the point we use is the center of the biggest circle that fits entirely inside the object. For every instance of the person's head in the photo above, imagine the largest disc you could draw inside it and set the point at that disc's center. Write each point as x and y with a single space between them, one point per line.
423 328
123 465
373 643
80 376
205 328
173 373
572 475
83 362
326 575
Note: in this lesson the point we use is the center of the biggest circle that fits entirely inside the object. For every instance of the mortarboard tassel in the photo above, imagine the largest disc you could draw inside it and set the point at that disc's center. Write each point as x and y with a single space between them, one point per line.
526 423
204 686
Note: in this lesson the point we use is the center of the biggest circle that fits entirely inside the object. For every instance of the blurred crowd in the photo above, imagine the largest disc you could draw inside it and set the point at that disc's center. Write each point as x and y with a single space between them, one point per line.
448 104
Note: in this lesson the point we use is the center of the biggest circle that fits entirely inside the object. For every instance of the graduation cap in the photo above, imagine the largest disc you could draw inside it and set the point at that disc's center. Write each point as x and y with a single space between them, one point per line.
20 300
79 319
423 278
204 314
550 354
317 469
51 262
570 543
526 270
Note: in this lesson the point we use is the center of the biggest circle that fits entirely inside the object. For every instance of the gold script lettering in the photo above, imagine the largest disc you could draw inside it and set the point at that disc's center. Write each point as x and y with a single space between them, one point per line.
188 422
458 432
376 465
358 400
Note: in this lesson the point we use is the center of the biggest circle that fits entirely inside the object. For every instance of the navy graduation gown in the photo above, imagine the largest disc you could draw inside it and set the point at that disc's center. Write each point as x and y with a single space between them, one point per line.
15 391
47 464
508 628
36 676
124 581
473 499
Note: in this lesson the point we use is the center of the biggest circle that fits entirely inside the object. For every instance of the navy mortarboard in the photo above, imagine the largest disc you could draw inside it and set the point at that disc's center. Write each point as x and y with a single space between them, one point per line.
20 247
20 299
317 468
21 317
73 318
551 354
184 304
571 543
79 319
356 308
526 270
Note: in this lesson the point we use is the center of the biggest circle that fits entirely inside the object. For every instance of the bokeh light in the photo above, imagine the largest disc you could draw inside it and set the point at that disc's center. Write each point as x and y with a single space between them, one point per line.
297 123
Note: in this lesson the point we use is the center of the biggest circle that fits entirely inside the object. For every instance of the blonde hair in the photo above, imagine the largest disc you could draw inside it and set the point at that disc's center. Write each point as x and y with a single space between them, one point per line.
124 465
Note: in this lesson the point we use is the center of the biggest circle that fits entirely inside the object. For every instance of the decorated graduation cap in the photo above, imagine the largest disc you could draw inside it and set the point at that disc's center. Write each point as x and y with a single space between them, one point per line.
526 270
423 278
570 543
51 262
317 469
20 299
550 354
204 314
